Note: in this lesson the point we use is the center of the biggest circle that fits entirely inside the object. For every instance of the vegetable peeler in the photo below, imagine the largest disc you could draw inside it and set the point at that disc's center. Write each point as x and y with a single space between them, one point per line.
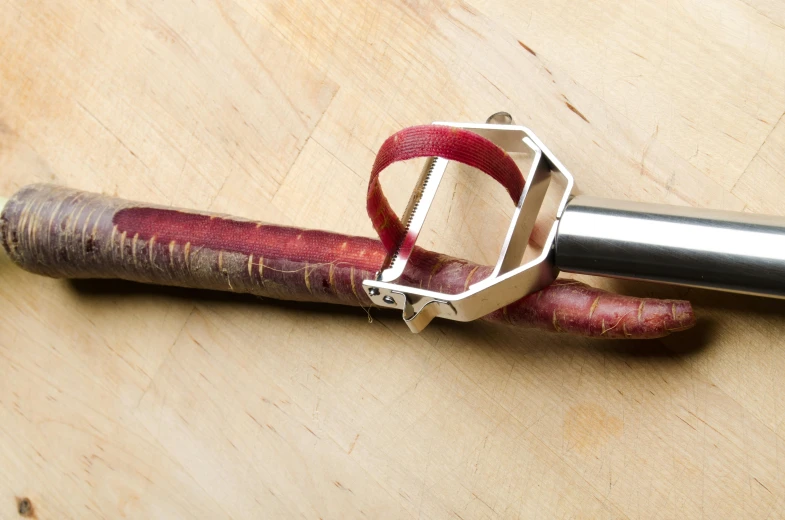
721 250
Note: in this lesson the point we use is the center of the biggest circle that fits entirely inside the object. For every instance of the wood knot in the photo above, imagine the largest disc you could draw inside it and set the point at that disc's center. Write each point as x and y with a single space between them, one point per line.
25 507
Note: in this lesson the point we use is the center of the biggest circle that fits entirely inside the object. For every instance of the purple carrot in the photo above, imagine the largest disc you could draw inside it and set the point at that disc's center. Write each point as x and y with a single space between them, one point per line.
66 233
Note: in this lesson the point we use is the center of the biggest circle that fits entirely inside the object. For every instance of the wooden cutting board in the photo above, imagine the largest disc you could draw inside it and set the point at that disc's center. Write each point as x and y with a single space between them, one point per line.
128 401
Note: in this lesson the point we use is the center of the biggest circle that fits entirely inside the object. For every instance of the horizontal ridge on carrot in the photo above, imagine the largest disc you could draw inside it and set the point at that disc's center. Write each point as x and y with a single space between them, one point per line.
66 233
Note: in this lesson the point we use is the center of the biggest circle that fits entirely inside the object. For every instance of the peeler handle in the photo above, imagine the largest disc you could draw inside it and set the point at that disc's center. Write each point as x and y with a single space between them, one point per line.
724 250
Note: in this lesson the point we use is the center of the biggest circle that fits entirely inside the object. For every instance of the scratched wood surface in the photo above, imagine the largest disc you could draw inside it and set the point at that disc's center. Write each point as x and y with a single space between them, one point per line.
122 401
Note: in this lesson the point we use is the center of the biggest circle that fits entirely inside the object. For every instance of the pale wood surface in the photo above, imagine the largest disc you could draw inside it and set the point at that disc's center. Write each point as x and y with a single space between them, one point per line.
138 403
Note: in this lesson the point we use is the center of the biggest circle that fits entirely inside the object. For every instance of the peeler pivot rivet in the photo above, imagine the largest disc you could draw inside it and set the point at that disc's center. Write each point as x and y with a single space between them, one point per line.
389 299
373 291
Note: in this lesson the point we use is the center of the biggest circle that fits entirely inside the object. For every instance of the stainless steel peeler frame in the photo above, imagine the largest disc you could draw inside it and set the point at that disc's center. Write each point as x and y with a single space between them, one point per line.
509 280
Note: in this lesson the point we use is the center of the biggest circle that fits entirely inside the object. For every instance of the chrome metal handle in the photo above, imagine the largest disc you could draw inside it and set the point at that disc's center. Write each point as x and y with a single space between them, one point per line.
737 252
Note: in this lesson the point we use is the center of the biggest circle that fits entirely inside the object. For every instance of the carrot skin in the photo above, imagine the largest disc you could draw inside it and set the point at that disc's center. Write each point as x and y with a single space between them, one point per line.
66 233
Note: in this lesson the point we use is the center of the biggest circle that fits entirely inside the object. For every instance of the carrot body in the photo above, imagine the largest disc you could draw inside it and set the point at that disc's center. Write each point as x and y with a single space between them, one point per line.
65 233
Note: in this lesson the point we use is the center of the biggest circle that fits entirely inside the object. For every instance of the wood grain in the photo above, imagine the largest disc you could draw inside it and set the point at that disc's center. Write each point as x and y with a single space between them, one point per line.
127 401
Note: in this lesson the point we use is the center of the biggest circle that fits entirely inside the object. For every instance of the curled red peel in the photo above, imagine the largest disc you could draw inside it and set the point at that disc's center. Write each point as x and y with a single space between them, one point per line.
454 144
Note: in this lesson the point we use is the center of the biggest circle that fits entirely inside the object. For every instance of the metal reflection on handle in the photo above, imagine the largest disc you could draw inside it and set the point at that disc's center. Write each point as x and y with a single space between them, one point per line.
729 251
